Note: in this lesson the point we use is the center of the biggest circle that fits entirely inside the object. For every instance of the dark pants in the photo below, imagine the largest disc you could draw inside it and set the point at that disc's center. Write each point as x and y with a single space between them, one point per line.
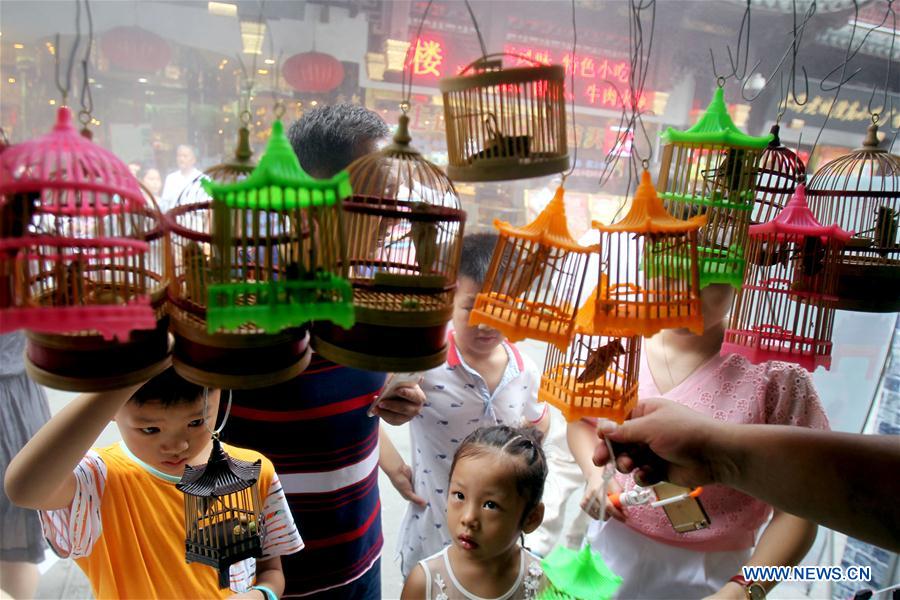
367 587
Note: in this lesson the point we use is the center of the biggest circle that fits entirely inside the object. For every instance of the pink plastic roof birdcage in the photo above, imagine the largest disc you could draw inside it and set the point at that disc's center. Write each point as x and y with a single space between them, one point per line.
784 310
72 247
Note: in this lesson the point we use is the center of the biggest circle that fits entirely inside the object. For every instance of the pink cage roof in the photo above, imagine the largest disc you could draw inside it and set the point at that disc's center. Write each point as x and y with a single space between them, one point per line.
65 160
795 219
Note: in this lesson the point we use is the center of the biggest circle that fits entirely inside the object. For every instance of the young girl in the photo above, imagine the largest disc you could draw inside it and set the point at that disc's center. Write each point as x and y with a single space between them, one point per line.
496 481
638 543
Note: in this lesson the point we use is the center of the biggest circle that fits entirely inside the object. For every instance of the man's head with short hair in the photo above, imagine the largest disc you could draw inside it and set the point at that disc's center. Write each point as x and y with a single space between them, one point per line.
328 138
475 256
185 158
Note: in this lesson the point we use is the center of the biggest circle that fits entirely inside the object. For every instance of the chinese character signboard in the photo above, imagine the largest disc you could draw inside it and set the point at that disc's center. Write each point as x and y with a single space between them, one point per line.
850 112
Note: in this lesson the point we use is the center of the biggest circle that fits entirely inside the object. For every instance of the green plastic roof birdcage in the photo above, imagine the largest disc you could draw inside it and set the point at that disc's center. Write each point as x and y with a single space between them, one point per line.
716 127
280 299
578 575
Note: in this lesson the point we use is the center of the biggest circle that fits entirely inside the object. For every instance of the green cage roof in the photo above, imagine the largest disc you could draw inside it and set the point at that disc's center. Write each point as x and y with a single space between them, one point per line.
716 127
279 183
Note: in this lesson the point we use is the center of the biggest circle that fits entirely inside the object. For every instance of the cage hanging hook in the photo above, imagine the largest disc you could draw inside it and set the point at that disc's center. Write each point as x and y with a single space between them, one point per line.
64 89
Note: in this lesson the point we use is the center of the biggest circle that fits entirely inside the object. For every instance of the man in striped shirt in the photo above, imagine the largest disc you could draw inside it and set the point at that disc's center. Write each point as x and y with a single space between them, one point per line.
315 428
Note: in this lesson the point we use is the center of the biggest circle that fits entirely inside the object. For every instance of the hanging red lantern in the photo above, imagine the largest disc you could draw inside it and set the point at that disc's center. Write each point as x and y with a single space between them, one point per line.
135 49
313 72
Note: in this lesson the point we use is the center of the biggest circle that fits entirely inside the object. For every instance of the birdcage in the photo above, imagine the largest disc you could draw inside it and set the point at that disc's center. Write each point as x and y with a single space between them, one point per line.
779 172
783 312
277 248
505 123
860 192
710 169
404 227
533 285
596 376
650 262
223 515
243 358
83 253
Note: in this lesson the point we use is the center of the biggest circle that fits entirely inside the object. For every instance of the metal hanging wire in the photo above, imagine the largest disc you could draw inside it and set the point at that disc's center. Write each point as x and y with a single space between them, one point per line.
571 170
889 13
406 80
87 100
65 88
738 66
484 52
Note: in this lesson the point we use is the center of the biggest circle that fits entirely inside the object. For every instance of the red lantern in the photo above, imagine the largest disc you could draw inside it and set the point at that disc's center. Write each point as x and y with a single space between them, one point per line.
313 72
135 49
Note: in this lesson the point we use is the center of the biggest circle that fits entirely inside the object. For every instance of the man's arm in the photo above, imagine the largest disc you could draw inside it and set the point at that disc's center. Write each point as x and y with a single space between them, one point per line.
404 403
396 469
846 482
41 474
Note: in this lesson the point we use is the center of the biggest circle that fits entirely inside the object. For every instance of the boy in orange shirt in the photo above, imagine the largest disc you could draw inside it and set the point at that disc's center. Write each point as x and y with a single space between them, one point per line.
116 510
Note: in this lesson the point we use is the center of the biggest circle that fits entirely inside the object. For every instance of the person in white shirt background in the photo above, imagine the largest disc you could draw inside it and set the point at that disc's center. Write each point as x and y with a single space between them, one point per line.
187 172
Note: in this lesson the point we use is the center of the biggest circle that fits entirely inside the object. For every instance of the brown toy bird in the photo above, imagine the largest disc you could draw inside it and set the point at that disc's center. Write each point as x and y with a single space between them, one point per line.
598 361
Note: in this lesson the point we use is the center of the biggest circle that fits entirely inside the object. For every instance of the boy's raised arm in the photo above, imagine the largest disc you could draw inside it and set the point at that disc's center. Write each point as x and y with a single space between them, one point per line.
41 474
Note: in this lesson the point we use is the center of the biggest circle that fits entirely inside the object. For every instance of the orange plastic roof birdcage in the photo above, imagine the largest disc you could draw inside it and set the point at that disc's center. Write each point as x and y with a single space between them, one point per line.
533 284
660 288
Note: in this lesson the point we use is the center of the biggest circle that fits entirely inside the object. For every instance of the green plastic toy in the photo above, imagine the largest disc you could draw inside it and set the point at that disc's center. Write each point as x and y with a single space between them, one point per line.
279 246
577 575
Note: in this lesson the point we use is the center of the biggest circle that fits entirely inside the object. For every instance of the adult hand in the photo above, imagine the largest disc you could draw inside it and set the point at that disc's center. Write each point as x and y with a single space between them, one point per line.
729 591
402 480
404 403
664 441
594 496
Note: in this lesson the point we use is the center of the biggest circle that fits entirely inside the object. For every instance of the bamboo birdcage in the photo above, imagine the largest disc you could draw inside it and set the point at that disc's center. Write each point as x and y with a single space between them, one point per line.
82 252
243 358
650 260
403 227
860 192
597 375
277 248
783 312
505 123
779 172
710 169
223 514
533 284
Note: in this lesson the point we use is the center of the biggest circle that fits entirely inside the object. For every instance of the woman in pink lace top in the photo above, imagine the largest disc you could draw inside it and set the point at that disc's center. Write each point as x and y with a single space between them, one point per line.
639 543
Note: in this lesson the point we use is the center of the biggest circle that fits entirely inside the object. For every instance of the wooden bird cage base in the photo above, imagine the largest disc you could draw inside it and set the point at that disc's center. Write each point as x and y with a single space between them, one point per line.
764 343
377 307
502 169
89 363
382 348
234 361
866 287
603 398
519 319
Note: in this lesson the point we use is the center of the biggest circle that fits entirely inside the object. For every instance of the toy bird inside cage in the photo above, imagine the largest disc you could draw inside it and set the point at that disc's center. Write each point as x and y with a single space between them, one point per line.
277 248
778 173
533 284
782 311
505 123
223 515
82 253
650 259
596 376
860 192
403 226
246 357
710 169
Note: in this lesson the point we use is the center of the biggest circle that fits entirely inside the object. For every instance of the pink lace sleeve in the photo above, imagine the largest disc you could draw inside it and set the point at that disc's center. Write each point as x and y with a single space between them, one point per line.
791 399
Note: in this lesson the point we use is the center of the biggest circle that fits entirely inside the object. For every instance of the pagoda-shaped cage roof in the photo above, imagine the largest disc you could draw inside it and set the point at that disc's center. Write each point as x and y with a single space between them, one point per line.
797 220
715 127
220 476
549 228
278 183
648 215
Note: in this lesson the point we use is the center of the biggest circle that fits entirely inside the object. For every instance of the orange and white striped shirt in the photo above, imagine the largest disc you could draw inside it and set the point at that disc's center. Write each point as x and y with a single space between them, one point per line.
125 529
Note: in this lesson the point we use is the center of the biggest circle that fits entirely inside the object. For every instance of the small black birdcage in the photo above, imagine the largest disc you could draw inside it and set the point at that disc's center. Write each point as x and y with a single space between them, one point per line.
222 511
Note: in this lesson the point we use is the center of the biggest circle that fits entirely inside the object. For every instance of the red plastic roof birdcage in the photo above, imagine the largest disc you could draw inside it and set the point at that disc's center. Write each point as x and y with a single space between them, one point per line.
72 248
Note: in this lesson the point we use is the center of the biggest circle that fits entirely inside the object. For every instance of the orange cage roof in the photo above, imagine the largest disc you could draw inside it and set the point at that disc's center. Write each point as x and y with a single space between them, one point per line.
549 228
648 215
